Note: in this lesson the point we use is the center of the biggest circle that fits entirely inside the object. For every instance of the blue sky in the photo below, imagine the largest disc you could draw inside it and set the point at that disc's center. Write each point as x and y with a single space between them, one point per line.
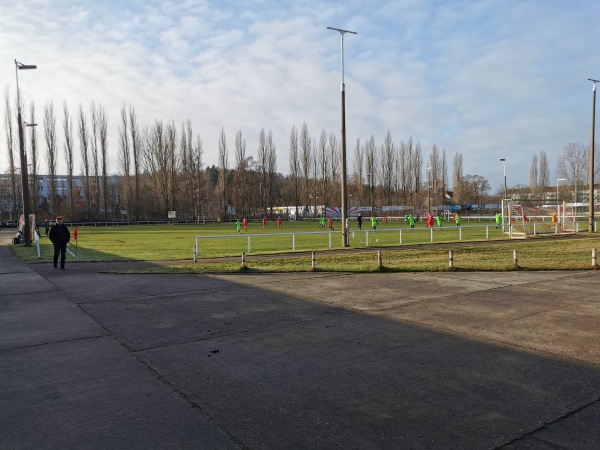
488 79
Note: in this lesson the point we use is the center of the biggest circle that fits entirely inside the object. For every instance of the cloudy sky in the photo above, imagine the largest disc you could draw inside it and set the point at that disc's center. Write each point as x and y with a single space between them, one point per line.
489 79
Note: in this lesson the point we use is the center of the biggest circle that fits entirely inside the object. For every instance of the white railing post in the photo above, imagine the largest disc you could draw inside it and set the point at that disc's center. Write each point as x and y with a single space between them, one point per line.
487 231
367 238
243 260
249 245
515 258
313 262
293 241
400 237
329 240
460 233
450 258
431 235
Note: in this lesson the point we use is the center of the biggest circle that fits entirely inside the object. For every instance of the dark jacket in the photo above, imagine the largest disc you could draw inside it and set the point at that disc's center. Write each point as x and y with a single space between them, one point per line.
59 234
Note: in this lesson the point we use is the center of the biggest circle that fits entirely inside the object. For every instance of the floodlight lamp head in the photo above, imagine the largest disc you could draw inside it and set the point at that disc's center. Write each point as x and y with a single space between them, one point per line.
22 66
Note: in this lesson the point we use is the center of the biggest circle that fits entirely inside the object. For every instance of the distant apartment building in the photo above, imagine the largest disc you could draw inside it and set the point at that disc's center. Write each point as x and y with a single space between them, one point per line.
42 188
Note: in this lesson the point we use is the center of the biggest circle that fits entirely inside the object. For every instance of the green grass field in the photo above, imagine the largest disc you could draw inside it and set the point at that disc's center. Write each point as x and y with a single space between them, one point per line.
493 251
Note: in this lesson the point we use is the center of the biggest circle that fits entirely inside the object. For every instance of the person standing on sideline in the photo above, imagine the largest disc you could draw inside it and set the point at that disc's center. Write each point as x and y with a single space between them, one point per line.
279 222
359 221
60 237
264 221
47 225
374 223
457 219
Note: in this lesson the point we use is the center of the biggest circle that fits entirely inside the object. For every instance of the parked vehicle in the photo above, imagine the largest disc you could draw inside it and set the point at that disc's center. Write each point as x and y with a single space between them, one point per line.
11 224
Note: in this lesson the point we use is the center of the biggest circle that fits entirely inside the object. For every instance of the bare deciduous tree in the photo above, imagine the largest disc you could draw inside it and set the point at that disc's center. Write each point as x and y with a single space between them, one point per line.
457 178
103 136
323 158
371 165
125 160
305 162
544 170
223 165
271 169
241 182
84 140
533 175
294 165
388 167
334 166
68 145
137 161
52 157
262 162
94 145
34 158
359 167
573 165
8 127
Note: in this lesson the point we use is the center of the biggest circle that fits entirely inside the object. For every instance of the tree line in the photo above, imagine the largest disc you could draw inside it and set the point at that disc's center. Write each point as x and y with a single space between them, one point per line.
161 169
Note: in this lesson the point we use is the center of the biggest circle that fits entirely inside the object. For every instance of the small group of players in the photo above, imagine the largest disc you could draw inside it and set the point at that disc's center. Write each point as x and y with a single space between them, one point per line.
244 223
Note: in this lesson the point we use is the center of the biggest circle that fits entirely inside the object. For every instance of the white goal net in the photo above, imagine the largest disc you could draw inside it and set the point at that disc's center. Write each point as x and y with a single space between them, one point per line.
525 218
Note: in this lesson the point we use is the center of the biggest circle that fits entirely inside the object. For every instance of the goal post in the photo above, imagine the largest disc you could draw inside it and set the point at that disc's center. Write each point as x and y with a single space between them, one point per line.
524 218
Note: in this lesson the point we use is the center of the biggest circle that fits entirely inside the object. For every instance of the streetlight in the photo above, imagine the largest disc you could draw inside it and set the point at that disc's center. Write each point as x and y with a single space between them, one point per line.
345 242
429 190
24 176
591 199
557 180
504 164
34 181
260 199
369 177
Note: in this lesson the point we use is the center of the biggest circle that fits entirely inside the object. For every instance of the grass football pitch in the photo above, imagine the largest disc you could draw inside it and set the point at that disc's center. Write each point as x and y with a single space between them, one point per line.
475 246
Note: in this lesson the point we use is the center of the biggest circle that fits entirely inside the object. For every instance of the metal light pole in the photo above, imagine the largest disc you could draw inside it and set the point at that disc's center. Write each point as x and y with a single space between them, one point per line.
504 164
345 242
34 181
591 199
557 180
429 190
24 176
369 176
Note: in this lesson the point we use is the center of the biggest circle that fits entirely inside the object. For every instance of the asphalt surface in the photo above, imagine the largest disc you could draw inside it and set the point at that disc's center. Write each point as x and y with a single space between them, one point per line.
90 359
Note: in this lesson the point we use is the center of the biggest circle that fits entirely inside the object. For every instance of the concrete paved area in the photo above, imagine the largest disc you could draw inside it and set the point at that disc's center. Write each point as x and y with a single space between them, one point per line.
90 359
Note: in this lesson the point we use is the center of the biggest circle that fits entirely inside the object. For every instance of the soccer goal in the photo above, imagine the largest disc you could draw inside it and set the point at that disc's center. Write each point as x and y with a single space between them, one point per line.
524 218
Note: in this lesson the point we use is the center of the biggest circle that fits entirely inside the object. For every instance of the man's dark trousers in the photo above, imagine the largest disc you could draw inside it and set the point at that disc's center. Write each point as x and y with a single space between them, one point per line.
62 249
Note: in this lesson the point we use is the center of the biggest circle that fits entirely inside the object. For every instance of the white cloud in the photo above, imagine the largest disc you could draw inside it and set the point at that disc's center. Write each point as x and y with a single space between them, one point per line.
487 79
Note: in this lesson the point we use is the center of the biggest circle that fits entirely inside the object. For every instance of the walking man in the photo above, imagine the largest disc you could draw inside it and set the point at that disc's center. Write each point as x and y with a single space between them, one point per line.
59 236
